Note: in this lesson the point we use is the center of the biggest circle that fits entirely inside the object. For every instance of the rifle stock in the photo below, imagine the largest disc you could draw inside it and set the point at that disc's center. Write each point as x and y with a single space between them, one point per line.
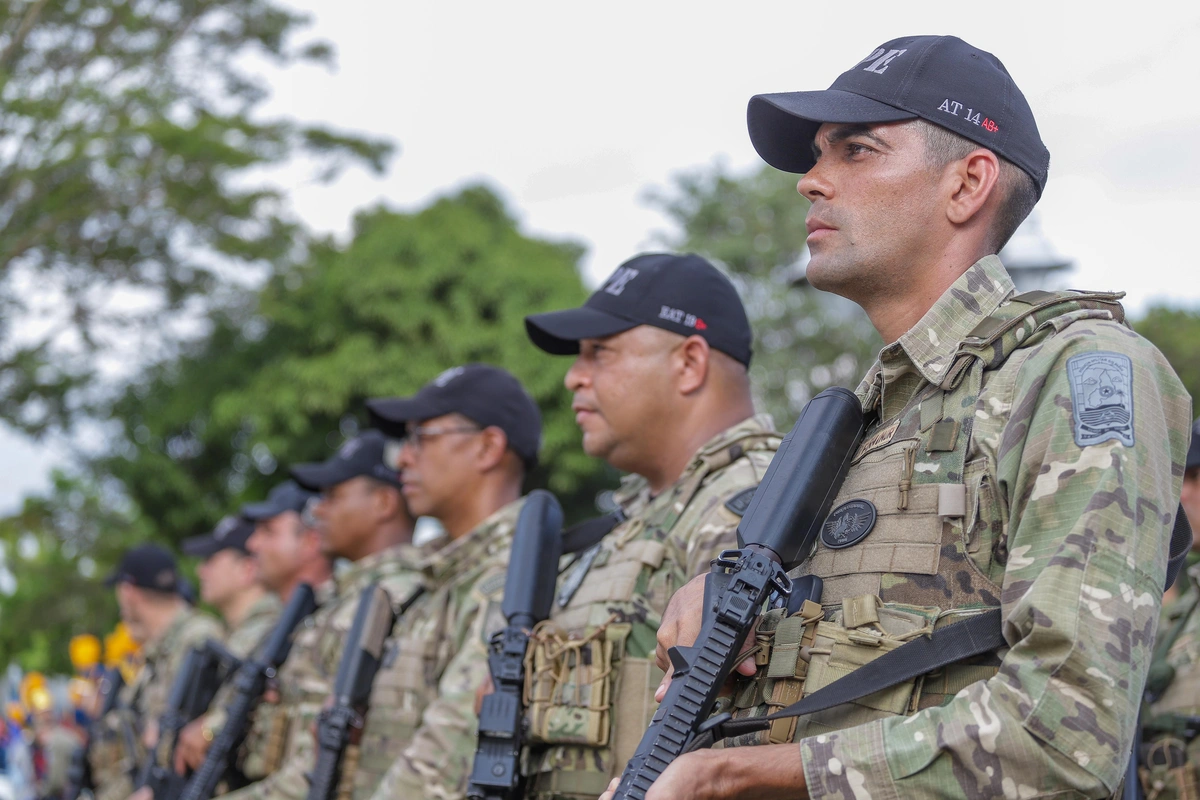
249 682
776 534
528 594
339 725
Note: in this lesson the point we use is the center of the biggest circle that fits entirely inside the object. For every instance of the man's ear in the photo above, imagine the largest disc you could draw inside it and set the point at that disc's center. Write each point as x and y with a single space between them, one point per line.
493 443
973 180
692 363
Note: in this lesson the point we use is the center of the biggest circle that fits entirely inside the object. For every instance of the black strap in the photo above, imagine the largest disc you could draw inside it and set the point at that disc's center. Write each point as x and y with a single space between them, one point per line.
1181 544
971 637
584 534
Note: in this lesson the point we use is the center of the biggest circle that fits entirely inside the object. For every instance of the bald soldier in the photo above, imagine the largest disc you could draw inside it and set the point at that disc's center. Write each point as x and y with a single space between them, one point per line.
361 517
660 391
1024 456
470 436
150 594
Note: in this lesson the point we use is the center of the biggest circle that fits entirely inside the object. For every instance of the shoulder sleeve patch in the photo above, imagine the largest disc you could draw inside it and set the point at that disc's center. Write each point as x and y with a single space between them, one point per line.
1101 397
741 501
493 585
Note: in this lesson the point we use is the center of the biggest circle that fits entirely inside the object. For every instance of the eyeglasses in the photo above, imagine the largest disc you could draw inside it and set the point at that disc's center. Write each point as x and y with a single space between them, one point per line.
415 437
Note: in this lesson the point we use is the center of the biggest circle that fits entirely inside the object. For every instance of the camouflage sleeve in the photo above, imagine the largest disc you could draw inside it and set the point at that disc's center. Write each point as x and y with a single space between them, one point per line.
709 523
1088 527
290 781
437 762
197 630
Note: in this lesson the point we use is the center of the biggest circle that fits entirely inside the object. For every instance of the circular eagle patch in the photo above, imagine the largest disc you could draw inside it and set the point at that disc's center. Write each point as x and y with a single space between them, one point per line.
848 524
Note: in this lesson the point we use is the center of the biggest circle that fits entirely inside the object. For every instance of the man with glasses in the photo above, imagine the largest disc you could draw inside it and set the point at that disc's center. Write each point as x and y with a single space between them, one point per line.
361 517
661 391
287 551
470 437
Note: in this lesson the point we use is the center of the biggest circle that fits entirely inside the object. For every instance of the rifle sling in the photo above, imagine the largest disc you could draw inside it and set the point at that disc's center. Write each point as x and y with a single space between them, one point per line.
971 637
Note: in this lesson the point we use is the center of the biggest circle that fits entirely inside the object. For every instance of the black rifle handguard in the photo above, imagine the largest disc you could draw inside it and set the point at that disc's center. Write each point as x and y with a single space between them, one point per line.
338 724
776 534
249 682
528 595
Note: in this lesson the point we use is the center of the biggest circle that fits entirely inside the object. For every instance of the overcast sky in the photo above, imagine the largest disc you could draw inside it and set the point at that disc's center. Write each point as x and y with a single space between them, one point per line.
572 111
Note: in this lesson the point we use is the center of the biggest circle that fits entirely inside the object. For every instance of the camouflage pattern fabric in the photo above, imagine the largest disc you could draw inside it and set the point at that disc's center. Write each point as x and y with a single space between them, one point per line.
422 719
242 641
1068 539
306 678
619 594
1165 778
143 702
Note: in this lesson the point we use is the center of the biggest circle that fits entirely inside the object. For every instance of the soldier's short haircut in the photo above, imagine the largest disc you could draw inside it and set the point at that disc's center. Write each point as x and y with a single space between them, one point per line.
1018 192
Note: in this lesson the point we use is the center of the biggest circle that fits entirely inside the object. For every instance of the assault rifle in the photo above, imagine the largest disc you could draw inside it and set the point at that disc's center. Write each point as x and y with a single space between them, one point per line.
776 534
203 670
341 725
528 593
249 682
79 773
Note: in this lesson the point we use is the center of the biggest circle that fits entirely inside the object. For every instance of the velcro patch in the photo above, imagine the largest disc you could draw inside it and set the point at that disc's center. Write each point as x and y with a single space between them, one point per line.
741 501
1101 397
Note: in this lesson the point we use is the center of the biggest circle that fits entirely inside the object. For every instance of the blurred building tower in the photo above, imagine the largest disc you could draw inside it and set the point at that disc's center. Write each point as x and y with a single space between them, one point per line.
1031 260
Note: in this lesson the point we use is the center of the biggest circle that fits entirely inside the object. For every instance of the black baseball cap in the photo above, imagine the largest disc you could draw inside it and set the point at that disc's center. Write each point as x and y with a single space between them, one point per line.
231 533
361 456
287 496
486 395
1193 453
149 566
941 79
684 294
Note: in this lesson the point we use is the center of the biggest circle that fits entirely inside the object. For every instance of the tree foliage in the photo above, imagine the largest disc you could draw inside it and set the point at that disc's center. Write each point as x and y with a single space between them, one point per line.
753 227
55 551
410 296
1176 332
132 178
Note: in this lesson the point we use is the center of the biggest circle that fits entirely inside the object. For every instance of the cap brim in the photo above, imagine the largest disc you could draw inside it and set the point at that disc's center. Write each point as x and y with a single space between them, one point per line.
113 579
257 512
392 414
783 126
201 546
318 477
559 332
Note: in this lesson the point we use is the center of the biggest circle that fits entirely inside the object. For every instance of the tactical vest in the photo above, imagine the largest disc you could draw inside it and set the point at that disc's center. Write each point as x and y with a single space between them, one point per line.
589 698
918 568
1169 766
407 678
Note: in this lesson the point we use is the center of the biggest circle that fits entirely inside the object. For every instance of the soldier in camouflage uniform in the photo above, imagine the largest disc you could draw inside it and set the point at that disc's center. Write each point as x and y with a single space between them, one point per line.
470 436
287 552
149 592
1171 732
230 581
661 391
1027 457
362 518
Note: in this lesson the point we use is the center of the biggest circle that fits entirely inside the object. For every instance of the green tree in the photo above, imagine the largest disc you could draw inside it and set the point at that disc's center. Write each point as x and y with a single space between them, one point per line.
284 382
752 226
134 167
53 552
1176 332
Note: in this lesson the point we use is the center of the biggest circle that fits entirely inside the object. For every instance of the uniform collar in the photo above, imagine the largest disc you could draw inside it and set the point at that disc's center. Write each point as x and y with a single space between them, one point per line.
483 541
715 453
164 643
266 606
930 345
385 562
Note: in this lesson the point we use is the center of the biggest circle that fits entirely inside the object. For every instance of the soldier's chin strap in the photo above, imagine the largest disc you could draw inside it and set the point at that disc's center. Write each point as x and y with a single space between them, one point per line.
971 637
